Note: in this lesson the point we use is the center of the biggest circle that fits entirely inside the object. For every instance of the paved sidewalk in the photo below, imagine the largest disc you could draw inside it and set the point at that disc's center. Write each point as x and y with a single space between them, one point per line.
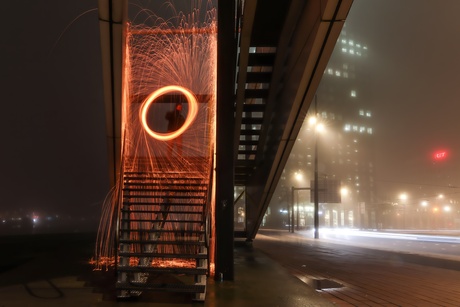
359 276
57 273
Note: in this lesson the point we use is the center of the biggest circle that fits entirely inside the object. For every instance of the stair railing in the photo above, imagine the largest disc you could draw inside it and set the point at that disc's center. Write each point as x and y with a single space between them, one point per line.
119 203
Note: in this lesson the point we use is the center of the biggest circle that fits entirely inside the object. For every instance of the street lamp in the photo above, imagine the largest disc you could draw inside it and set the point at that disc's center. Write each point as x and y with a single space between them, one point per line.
316 194
318 128
403 198
299 178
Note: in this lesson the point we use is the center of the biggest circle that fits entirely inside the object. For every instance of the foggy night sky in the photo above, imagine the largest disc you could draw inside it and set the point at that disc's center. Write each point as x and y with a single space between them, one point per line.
414 50
53 153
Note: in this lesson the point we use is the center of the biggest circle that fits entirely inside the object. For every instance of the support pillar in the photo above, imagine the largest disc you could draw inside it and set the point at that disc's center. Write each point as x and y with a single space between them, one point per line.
226 63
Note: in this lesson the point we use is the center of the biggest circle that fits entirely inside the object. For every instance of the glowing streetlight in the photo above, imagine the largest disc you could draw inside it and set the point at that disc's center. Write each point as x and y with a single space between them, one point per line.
298 176
318 128
316 194
403 198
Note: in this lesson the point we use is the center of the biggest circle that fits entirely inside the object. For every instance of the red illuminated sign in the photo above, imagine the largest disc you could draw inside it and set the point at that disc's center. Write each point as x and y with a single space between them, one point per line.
440 155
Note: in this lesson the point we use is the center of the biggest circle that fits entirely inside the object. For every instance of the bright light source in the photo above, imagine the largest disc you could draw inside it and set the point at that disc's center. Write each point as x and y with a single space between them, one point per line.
193 109
447 208
344 191
403 196
424 203
312 120
320 127
440 155
298 176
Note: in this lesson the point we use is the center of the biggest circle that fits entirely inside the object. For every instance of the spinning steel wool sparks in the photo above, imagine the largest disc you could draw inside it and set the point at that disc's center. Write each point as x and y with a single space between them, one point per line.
157 217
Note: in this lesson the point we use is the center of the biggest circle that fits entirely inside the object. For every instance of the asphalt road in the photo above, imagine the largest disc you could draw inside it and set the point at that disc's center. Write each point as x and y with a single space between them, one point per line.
361 275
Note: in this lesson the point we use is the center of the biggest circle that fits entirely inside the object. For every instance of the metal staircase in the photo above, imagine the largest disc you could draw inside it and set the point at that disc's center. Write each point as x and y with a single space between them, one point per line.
164 237
252 110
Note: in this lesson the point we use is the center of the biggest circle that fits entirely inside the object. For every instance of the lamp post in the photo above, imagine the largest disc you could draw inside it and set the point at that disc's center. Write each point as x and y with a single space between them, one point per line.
423 217
318 127
316 194
403 198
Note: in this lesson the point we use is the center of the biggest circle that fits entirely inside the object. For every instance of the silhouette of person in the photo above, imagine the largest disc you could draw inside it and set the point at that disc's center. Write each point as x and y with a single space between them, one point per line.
175 121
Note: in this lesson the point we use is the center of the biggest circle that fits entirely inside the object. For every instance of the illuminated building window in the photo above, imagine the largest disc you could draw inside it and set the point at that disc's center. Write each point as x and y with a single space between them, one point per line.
362 129
345 75
353 93
352 51
330 71
369 130
347 127
344 41
368 114
344 50
358 45
361 112
351 43
337 73
355 128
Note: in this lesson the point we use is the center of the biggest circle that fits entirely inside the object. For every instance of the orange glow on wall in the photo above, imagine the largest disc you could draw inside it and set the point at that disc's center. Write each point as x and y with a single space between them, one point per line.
193 108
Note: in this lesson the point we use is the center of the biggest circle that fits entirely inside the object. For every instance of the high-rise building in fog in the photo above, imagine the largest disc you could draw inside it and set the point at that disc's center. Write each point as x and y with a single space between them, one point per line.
345 149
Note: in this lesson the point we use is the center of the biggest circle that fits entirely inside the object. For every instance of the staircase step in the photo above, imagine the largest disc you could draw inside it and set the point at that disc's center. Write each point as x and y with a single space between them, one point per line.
188 231
160 287
258 77
161 211
179 179
163 221
162 196
248 143
261 59
256 93
250 132
247 152
252 120
167 186
253 107
136 203
158 242
162 255
169 270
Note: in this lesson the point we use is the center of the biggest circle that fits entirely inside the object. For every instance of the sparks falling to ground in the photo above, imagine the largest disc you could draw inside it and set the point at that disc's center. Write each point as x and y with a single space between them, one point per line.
168 63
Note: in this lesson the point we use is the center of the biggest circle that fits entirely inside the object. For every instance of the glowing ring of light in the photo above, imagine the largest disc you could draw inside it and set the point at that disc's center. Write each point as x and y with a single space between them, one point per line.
193 109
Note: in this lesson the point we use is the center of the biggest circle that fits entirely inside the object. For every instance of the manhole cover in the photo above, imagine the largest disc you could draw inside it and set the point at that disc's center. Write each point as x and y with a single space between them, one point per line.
321 284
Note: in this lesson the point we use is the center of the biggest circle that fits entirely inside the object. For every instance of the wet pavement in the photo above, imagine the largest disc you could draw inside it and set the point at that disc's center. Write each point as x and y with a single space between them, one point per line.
55 271
278 269
356 276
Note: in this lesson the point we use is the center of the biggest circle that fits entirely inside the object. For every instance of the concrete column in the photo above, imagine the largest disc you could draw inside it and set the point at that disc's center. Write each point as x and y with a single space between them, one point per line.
226 63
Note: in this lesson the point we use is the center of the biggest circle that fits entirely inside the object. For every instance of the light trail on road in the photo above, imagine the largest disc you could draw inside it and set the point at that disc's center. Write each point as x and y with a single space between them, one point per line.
433 245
